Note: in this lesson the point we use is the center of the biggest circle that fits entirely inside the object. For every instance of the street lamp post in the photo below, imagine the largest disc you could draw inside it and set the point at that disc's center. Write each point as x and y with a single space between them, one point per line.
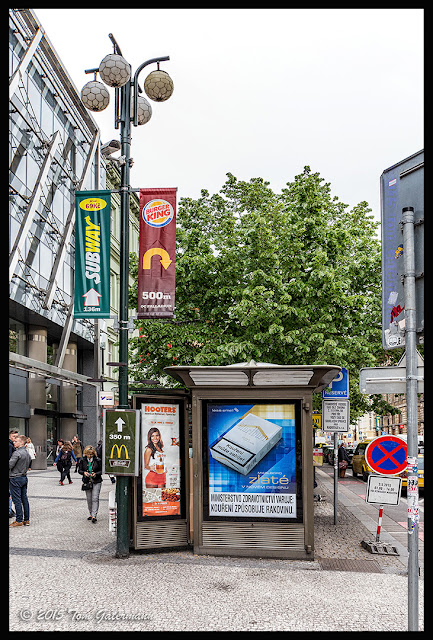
160 89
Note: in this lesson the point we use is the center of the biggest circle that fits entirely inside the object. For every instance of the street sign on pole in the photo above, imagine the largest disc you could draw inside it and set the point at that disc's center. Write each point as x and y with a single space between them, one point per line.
335 415
382 490
339 388
401 185
389 379
387 455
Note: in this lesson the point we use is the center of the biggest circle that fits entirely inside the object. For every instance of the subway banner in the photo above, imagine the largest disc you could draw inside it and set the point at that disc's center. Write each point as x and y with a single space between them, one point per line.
92 254
157 253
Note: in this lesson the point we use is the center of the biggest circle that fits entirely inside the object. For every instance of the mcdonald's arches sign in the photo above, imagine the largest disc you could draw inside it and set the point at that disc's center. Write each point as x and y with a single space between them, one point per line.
121 442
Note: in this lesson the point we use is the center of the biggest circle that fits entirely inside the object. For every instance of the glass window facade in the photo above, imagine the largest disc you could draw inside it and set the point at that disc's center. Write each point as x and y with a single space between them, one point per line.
41 106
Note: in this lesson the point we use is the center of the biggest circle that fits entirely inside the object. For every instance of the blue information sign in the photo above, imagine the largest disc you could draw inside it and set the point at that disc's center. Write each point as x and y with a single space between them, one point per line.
339 387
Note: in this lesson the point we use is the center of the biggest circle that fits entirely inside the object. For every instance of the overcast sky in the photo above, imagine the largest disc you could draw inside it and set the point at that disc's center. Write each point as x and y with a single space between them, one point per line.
261 92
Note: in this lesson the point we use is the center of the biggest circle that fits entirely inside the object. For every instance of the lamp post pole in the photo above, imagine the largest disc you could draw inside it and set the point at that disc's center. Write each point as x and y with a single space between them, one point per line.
122 485
124 120
159 88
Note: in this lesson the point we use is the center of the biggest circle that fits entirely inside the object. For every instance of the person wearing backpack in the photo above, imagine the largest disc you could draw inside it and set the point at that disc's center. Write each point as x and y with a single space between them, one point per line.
64 461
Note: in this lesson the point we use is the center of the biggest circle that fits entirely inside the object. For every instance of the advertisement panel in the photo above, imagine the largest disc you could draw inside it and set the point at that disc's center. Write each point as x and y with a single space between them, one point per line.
157 253
120 442
254 457
160 459
92 254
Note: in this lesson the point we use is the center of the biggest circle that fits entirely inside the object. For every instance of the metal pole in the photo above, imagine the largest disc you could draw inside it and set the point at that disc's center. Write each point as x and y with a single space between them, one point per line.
335 475
379 523
122 484
408 219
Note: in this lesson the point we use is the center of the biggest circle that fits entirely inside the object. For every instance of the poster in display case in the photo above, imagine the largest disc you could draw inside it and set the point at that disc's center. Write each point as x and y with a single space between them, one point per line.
160 483
254 457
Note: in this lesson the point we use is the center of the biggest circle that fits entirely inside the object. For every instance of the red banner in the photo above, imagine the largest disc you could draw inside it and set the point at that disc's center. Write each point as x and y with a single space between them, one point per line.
157 253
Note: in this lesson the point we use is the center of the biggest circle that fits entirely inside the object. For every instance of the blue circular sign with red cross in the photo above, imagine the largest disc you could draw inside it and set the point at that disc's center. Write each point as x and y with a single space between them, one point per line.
387 455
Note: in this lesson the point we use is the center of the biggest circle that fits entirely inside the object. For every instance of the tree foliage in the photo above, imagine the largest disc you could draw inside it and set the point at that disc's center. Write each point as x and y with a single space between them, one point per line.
289 278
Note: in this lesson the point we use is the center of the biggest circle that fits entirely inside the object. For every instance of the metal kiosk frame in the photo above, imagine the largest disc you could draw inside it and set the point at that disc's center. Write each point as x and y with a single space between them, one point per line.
170 531
253 383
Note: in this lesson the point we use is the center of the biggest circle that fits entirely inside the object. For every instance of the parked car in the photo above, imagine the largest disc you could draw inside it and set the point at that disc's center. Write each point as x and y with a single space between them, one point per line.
326 451
349 451
359 465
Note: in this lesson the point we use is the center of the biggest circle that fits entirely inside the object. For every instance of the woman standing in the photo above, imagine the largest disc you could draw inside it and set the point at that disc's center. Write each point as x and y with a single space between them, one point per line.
90 467
64 462
156 478
31 450
78 450
343 461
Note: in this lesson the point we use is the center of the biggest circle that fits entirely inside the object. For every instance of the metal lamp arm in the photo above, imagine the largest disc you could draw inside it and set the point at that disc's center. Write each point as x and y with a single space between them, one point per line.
135 83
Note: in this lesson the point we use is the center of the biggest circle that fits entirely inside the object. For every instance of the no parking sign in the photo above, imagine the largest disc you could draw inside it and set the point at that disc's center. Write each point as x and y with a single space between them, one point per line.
387 455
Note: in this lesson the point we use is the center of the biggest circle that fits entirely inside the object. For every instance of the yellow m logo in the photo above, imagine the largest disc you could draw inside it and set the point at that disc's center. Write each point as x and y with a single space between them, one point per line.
119 451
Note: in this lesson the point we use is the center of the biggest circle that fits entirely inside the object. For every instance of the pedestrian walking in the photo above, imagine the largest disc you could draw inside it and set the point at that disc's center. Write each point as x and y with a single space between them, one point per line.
78 450
64 462
32 451
12 435
90 467
343 461
18 466
99 453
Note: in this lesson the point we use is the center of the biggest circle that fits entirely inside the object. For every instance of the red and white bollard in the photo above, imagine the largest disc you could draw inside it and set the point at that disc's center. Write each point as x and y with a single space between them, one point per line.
379 524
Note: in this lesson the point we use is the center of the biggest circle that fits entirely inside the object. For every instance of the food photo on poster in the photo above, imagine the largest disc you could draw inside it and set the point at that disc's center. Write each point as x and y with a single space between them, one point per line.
160 451
253 455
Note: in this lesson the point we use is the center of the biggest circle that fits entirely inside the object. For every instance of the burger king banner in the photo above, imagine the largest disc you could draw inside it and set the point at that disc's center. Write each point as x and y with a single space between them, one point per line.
157 253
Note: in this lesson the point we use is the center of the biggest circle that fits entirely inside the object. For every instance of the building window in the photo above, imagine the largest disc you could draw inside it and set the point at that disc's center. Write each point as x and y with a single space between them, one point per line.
17 338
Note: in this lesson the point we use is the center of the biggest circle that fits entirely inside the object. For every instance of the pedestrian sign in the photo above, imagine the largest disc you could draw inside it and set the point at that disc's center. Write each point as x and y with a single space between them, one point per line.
387 455
339 388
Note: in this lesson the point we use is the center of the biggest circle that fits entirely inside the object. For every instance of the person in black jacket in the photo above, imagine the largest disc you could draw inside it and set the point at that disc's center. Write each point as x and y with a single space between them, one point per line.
343 461
90 467
64 461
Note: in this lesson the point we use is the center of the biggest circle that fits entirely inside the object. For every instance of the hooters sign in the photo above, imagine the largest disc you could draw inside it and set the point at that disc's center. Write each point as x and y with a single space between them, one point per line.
157 253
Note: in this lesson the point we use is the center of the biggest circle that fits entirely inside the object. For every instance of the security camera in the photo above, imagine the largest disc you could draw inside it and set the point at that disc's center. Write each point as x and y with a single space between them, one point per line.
120 161
110 147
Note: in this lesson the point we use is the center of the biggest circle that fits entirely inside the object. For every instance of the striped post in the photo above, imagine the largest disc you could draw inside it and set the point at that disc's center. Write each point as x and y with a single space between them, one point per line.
379 524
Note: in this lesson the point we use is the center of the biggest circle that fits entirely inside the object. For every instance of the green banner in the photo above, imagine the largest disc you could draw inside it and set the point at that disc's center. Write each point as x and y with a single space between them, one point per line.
121 442
92 254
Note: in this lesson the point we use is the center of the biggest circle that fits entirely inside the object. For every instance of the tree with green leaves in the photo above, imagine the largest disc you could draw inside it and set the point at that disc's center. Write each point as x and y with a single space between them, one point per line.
289 278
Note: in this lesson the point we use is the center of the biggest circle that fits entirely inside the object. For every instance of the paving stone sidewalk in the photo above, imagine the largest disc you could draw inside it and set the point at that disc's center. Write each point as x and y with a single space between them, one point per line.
64 576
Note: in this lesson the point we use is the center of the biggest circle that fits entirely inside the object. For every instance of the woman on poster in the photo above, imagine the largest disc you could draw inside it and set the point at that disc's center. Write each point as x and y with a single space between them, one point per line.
154 460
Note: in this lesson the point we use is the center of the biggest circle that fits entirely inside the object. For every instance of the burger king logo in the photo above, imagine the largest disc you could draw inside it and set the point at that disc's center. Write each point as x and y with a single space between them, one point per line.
158 213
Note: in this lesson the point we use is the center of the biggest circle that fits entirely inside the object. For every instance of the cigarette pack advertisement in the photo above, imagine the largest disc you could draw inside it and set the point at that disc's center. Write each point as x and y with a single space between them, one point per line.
160 459
252 460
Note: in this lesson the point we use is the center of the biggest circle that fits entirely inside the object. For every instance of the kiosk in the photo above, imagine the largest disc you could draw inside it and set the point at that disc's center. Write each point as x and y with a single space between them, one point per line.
252 457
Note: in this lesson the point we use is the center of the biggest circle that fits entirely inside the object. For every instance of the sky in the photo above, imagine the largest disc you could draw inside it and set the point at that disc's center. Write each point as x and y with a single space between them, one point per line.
261 92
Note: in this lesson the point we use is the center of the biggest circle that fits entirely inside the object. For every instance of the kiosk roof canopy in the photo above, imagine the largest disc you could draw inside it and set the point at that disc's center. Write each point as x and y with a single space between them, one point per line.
256 374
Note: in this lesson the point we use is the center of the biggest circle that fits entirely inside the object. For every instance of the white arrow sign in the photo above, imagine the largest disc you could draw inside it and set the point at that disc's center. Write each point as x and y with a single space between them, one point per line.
120 424
92 298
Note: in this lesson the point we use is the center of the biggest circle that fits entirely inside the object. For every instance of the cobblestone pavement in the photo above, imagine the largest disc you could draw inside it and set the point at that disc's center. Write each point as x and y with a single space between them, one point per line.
64 576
